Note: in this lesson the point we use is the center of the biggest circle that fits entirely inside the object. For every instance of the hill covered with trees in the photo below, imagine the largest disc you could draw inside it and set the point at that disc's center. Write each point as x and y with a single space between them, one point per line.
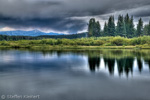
15 38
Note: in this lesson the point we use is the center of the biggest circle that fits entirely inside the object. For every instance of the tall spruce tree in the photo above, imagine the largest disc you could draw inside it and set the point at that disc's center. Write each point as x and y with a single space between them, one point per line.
131 28
91 27
97 29
121 29
94 28
139 27
146 30
127 24
105 30
111 26
148 33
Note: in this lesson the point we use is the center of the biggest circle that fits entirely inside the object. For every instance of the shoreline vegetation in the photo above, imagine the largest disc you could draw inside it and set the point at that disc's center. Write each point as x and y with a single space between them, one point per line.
118 42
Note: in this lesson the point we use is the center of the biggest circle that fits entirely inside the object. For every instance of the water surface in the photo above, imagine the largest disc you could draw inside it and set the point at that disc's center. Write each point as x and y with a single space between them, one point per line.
76 75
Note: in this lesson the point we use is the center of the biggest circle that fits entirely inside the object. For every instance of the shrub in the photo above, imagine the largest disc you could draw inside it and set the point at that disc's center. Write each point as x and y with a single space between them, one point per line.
59 41
145 39
119 41
109 44
98 42
31 42
50 42
43 41
16 46
135 41
5 43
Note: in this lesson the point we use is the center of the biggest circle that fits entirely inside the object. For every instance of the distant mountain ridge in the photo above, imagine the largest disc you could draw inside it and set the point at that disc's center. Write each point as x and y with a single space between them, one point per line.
27 33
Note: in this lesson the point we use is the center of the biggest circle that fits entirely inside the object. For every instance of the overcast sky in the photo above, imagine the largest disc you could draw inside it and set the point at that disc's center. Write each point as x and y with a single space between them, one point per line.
66 16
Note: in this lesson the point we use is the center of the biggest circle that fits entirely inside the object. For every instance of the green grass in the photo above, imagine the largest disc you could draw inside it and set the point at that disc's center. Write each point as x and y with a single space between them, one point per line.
82 43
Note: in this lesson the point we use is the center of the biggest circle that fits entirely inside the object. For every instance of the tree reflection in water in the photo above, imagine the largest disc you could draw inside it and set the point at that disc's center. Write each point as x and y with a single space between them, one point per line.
147 61
139 65
124 65
110 64
94 62
123 58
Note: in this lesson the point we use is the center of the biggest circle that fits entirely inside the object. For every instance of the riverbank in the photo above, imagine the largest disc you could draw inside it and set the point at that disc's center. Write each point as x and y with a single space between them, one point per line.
48 47
81 43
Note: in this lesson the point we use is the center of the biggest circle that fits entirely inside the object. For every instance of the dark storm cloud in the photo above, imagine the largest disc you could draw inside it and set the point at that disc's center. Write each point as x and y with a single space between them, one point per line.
57 14
142 11
56 24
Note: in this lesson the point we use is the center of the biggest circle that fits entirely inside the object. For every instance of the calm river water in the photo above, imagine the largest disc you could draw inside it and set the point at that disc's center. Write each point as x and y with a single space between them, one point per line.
75 75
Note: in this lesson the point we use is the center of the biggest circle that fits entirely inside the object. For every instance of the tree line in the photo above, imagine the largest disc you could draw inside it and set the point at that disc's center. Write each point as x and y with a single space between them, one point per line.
16 38
125 27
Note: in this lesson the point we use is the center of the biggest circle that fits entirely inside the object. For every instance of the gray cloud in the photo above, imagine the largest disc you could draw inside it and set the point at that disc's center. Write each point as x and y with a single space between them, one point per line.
57 14
56 24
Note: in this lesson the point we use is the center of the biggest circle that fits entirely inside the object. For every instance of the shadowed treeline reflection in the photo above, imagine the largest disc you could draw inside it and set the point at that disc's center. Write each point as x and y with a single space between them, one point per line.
120 61
94 62
125 63
109 62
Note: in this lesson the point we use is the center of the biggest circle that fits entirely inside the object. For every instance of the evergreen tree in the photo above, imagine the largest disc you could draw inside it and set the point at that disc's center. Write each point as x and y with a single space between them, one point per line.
131 28
139 28
127 24
120 30
145 29
97 29
148 33
111 26
94 28
105 30
91 27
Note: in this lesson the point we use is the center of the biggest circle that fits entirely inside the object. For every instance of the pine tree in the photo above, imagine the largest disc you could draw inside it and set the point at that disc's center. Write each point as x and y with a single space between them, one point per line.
127 24
111 26
97 29
91 27
94 28
105 31
148 33
146 30
131 28
139 27
120 30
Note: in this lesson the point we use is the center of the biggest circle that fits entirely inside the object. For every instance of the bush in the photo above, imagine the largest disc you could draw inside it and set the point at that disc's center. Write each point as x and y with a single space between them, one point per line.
109 44
5 43
119 41
43 42
145 40
31 42
16 46
98 42
136 41
50 42
59 41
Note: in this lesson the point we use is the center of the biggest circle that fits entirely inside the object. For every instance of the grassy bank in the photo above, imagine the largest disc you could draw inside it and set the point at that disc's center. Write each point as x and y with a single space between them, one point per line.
82 43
